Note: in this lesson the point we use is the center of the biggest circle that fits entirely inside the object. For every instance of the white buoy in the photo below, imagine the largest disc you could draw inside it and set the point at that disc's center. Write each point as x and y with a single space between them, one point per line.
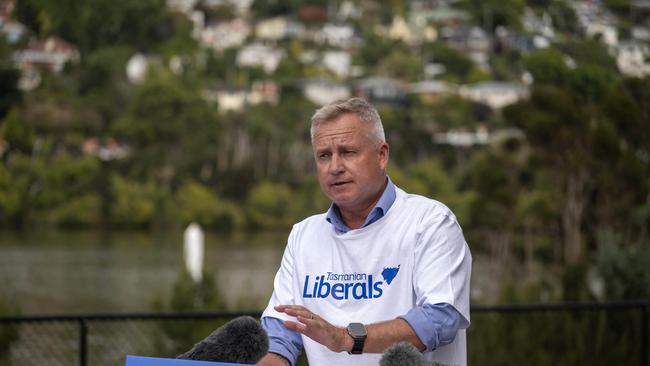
193 251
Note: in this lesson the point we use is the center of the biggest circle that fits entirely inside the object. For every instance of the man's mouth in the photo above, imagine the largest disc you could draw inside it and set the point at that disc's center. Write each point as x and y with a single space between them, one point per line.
337 184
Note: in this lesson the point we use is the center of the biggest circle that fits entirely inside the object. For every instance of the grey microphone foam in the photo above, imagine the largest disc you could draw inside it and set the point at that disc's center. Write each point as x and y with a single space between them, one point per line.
403 354
241 340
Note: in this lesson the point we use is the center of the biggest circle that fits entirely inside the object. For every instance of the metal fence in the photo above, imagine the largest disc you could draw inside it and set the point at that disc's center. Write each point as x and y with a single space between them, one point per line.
567 333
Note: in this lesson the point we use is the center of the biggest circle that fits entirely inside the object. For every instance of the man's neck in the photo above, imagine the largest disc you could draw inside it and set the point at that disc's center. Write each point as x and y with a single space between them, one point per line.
354 219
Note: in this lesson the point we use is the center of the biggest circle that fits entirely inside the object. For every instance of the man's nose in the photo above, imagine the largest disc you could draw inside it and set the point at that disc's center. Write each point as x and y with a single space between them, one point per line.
336 165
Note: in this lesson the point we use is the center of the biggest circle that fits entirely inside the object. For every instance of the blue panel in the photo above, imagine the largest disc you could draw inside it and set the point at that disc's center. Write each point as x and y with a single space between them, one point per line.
154 361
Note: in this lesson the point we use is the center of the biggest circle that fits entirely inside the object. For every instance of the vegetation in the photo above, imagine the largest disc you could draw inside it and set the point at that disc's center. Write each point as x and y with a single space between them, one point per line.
538 206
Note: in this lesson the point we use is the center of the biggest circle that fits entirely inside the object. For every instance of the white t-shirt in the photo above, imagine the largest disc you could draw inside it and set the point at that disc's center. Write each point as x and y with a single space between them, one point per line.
415 254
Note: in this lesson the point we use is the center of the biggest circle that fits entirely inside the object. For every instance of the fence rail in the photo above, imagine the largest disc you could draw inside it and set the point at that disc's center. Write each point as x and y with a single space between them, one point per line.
84 335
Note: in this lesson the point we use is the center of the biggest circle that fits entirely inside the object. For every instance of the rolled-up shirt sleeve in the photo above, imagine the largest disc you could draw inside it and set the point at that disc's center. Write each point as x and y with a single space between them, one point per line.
282 341
436 325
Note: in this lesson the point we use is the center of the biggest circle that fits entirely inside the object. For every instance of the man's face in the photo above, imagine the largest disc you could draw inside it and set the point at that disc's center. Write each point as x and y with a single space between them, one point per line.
351 166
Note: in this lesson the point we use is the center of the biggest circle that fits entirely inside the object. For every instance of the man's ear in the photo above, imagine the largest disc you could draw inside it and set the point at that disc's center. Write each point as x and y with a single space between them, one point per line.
384 152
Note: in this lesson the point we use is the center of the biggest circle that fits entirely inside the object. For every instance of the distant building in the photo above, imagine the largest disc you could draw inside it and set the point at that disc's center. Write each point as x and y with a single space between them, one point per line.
230 98
266 91
595 20
323 91
431 91
260 55
494 94
633 59
106 150
481 136
51 54
224 35
338 62
378 89
182 6
13 31
340 35
472 41
542 25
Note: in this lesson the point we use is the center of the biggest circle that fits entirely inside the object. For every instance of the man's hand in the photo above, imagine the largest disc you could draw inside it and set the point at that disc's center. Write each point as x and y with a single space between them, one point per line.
316 328
273 359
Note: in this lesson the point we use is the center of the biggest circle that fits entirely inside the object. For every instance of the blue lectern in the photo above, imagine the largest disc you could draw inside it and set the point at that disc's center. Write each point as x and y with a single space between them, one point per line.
155 361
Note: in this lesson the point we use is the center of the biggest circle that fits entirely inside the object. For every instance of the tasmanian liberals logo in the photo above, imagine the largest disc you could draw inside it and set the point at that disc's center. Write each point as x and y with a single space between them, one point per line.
344 286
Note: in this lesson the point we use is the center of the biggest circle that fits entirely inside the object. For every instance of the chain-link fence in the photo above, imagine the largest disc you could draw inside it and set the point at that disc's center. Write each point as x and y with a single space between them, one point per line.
561 334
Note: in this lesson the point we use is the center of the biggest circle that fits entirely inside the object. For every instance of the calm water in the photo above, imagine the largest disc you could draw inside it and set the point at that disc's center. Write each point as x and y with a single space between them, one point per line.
54 272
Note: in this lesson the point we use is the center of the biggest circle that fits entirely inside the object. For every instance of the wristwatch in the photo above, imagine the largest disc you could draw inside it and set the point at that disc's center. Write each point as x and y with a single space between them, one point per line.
358 333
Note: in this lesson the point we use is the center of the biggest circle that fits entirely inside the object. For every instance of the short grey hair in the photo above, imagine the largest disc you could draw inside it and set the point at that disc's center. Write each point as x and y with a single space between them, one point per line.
364 110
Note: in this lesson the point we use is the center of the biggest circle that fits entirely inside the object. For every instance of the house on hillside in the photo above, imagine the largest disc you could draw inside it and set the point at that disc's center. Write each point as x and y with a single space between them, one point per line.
324 91
595 20
471 40
538 24
336 34
229 98
278 28
494 94
50 54
182 6
339 62
12 31
264 91
260 55
223 35
432 91
633 59
377 89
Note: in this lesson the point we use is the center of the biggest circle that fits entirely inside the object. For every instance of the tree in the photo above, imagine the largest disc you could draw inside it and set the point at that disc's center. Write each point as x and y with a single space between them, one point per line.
172 130
554 125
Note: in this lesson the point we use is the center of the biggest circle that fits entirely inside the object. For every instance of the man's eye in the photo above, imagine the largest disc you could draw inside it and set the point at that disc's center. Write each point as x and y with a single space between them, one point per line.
349 152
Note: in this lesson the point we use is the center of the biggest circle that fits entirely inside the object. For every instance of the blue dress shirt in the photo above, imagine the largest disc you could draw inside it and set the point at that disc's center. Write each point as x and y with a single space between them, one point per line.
435 324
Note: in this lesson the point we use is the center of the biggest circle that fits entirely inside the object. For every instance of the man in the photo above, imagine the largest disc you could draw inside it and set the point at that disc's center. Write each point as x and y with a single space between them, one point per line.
381 266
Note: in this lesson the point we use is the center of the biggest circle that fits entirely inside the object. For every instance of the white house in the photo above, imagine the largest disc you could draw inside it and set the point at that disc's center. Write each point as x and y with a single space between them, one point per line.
338 62
432 90
323 91
13 31
494 94
260 55
273 29
341 35
632 59
224 35
542 24
52 54
183 6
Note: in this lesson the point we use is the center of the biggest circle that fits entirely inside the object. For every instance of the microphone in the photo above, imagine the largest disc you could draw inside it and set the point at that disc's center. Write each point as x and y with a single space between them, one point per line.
241 340
403 354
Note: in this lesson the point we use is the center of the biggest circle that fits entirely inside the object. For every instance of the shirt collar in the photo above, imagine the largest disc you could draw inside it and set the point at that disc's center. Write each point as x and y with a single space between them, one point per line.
381 208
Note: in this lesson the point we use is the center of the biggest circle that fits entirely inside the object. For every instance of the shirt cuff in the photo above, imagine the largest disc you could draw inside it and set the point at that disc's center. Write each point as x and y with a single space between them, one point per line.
436 325
282 341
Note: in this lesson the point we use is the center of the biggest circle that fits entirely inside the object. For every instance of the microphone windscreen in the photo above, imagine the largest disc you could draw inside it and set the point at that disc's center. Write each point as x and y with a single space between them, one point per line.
402 354
241 340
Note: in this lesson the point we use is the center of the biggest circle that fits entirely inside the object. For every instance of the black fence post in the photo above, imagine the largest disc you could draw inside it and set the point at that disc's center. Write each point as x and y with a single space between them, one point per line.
83 342
645 309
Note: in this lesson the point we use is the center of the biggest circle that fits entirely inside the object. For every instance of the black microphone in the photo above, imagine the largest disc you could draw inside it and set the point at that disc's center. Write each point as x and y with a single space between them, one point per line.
403 354
241 340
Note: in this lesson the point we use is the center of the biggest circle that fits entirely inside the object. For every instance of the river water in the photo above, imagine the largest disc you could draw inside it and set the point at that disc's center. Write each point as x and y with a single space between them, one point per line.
80 272
64 272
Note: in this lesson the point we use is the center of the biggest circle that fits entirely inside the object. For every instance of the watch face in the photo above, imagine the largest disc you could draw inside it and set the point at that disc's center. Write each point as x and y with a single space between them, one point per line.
357 330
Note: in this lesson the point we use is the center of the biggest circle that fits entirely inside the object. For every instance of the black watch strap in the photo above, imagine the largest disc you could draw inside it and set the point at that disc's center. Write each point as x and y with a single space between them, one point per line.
358 333
357 348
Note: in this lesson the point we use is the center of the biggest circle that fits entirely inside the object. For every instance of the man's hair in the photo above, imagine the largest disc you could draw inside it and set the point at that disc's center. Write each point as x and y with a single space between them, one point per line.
364 110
